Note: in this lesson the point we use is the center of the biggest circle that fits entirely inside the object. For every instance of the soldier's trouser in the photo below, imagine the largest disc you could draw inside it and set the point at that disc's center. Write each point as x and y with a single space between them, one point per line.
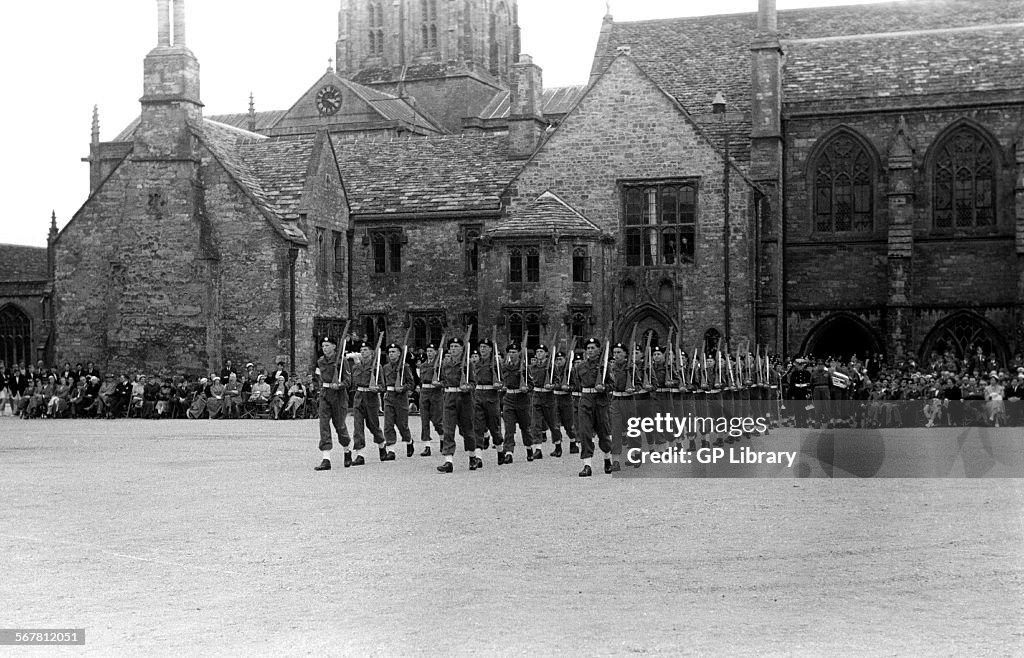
487 417
431 412
822 404
619 411
516 412
564 405
396 412
593 419
365 409
458 414
332 408
544 417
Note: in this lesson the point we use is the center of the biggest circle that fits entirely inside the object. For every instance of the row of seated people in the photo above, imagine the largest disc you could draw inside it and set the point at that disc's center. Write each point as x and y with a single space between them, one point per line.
177 397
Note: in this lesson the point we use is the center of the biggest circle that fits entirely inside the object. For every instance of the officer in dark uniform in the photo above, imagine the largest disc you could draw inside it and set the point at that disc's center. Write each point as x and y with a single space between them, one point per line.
333 400
661 393
516 407
431 399
366 405
799 391
398 383
622 387
587 380
486 406
458 408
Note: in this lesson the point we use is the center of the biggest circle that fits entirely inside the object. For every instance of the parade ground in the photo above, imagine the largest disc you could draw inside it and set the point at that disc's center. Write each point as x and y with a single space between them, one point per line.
218 538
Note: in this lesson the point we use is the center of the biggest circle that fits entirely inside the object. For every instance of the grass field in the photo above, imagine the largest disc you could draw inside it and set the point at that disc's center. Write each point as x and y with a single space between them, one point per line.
218 538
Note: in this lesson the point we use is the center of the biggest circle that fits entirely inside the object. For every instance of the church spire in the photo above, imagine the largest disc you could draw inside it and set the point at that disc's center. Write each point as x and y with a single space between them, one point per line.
95 139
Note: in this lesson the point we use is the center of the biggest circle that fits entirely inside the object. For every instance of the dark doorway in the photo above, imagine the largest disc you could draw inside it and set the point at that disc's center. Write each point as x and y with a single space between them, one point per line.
841 337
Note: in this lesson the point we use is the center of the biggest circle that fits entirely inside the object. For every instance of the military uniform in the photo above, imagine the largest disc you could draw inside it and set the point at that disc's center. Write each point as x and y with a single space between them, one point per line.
431 401
543 404
587 380
458 409
564 412
516 407
486 405
799 390
398 383
333 404
622 386
366 405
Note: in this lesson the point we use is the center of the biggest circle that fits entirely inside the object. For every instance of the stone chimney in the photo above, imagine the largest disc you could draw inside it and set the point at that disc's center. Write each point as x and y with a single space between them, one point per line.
170 99
526 118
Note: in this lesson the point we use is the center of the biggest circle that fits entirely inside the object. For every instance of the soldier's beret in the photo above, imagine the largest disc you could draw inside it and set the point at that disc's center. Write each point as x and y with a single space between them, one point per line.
487 342
355 345
394 346
560 355
619 346
431 346
541 347
455 340
512 347
475 353
327 339
364 343
592 341
657 349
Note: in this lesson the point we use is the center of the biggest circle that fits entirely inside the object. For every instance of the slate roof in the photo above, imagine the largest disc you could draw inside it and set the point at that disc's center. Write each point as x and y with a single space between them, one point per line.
548 215
694 58
264 120
22 264
272 171
425 174
555 101
392 107
905 64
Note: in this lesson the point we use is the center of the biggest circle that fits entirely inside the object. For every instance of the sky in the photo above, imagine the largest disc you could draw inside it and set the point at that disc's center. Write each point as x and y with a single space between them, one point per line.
62 57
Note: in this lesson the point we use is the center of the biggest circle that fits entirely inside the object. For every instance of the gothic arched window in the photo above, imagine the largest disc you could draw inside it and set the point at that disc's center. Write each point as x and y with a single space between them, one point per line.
500 49
711 341
428 27
963 188
376 16
843 187
15 336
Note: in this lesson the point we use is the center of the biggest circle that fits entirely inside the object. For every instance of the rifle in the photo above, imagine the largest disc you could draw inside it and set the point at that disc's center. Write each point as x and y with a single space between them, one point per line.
670 357
339 358
551 355
570 359
607 353
632 357
524 358
405 354
495 356
465 373
376 360
648 365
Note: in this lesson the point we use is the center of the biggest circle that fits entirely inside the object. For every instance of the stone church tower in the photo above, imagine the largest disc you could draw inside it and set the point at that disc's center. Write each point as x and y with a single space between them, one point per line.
452 56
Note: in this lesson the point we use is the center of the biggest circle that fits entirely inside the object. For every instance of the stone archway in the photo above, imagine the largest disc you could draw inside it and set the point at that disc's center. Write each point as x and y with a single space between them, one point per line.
649 319
842 335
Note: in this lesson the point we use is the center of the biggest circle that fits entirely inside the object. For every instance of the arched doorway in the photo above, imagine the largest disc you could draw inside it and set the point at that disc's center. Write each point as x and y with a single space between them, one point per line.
962 333
15 336
649 319
841 336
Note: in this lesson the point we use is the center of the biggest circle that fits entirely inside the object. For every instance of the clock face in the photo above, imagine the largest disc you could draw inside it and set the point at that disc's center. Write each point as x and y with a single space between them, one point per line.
328 100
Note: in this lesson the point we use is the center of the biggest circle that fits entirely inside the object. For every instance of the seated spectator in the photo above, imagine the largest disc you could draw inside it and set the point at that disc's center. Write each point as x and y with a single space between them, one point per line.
164 399
994 408
105 397
296 397
215 398
260 390
279 393
232 396
137 402
197 403
58 403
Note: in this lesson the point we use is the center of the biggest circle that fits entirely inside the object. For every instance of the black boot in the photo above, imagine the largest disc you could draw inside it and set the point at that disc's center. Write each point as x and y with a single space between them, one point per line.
348 459
409 449
557 451
574 448
426 452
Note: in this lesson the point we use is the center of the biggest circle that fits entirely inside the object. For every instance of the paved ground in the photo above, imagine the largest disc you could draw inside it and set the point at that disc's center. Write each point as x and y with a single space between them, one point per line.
200 538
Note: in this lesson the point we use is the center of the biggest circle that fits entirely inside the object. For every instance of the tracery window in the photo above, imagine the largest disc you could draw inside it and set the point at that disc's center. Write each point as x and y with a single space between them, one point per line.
964 182
660 223
843 187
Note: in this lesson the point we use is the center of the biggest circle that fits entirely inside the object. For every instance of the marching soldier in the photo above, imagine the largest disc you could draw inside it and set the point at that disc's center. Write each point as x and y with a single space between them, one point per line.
458 408
622 387
799 391
486 406
333 401
366 406
543 403
663 388
587 380
516 409
563 405
398 383
431 398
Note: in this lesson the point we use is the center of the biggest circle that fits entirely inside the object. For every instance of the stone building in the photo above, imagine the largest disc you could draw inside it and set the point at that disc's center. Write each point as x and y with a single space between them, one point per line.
26 298
836 179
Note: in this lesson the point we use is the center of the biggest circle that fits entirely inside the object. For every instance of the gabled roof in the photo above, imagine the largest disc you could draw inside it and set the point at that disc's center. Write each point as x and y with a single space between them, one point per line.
547 216
392 107
555 101
271 171
695 58
21 263
947 61
424 174
264 120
